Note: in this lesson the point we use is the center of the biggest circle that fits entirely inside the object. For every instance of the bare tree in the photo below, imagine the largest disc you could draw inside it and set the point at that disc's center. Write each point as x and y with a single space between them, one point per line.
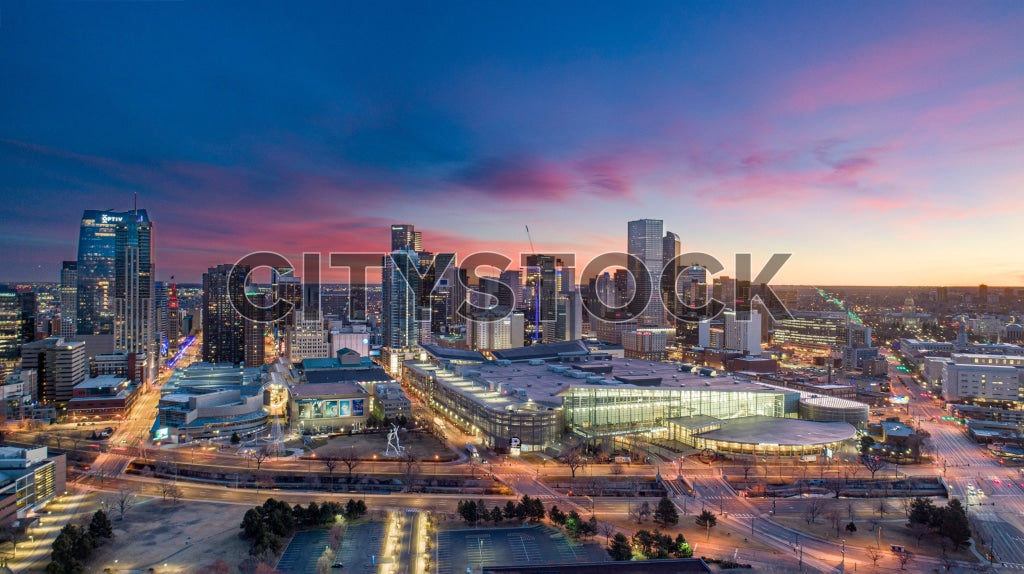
836 517
172 491
873 464
259 456
874 554
835 485
813 509
350 460
574 459
903 558
639 512
882 508
122 500
58 436
607 529
409 461
39 439
906 503
748 465
330 463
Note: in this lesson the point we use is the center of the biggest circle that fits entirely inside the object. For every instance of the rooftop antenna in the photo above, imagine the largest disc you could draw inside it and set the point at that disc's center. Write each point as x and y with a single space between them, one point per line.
136 206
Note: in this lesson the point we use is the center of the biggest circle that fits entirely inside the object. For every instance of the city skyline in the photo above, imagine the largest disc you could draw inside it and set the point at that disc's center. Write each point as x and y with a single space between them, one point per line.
878 144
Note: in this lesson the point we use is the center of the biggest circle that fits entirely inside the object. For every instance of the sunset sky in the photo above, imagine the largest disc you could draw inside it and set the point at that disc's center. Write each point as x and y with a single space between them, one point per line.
881 143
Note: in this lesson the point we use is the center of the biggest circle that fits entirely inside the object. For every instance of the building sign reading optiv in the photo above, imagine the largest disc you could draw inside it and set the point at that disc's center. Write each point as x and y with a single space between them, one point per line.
422 280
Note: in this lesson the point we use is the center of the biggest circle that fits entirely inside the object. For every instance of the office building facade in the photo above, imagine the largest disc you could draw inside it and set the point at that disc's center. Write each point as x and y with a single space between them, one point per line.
59 364
645 242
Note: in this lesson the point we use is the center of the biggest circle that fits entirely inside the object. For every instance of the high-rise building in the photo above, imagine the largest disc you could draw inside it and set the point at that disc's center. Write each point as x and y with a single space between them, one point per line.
644 241
743 335
401 282
669 251
502 333
29 310
173 320
160 302
541 286
224 328
69 298
10 330
60 366
135 321
405 237
96 271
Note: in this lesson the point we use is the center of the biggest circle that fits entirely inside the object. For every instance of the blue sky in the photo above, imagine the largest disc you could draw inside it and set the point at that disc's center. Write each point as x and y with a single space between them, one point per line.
878 142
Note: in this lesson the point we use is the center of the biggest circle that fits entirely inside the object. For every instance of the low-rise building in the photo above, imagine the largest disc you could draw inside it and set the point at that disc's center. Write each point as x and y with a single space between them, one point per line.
390 402
102 397
29 478
131 366
191 414
328 407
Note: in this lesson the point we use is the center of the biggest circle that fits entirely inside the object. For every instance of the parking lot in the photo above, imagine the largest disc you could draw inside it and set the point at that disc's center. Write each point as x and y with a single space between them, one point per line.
303 552
458 550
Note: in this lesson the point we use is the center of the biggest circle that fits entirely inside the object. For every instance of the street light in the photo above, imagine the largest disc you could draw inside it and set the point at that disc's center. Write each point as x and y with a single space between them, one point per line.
844 555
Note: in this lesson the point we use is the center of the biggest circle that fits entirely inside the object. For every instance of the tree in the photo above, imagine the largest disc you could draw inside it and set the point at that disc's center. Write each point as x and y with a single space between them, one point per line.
666 512
65 555
557 516
707 519
409 462
813 509
468 511
235 439
259 456
954 524
172 491
607 529
573 524
851 527
903 558
511 511
922 511
331 462
682 547
357 508
574 459
873 464
100 526
619 548
645 510
496 514
644 540
748 465
122 500
874 554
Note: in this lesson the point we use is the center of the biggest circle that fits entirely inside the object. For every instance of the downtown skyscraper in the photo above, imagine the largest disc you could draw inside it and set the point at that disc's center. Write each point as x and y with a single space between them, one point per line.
645 242
95 273
228 337
134 270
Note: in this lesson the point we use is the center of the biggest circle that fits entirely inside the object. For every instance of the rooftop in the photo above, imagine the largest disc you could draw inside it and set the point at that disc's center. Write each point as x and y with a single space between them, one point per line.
449 354
343 374
545 351
779 431
101 382
311 390
500 386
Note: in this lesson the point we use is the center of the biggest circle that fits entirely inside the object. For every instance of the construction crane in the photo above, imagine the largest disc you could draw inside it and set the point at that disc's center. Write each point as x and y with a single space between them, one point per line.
532 250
